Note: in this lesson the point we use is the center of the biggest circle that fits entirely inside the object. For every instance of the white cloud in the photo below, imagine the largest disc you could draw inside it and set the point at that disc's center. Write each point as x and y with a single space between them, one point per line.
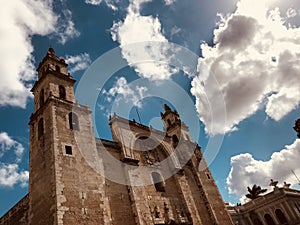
78 62
291 12
137 4
175 30
169 2
20 20
7 143
11 175
110 3
141 37
255 60
123 92
117 4
93 2
66 28
246 171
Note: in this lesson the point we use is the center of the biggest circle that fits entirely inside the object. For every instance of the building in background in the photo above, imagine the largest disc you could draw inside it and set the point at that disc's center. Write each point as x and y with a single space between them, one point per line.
281 206
71 170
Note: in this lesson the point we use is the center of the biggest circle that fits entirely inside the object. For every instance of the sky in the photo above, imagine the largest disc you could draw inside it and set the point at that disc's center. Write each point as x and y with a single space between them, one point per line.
231 69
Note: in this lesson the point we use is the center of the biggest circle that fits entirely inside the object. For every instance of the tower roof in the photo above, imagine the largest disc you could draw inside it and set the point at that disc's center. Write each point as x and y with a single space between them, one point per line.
167 111
51 55
167 108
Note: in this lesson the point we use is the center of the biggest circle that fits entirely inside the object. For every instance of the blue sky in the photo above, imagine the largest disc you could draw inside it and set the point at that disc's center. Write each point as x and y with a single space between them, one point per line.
233 65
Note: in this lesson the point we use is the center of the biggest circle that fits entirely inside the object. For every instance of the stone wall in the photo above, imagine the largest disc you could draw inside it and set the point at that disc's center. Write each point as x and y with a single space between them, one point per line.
18 215
79 186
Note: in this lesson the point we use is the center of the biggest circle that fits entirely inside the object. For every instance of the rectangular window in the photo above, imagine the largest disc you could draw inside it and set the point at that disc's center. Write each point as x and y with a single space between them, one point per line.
68 150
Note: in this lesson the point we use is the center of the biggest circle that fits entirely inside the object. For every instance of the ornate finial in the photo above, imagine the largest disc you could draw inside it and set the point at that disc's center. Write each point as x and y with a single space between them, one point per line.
297 127
286 185
273 183
51 51
167 108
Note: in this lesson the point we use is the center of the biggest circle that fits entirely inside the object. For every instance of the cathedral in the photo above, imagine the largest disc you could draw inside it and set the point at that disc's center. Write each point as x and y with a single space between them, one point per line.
142 176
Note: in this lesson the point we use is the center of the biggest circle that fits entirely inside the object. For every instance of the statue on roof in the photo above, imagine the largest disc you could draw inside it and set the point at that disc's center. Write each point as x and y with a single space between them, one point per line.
273 183
297 127
286 185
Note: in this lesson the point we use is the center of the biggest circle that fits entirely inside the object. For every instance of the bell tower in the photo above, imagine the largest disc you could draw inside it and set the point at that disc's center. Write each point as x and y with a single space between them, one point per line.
60 130
53 80
174 127
54 85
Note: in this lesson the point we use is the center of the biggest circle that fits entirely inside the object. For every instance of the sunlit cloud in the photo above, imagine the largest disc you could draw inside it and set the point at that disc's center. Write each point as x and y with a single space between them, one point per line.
143 29
78 62
20 21
122 91
10 174
8 144
255 59
247 171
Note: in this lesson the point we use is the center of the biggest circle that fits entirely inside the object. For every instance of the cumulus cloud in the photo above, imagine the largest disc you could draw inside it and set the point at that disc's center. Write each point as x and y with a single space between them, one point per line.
141 37
255 61
93 2
137 4
291 12
169 2
246 171
110 3
117 4
20 20
11 175
7 144
122 91
66 28
78 62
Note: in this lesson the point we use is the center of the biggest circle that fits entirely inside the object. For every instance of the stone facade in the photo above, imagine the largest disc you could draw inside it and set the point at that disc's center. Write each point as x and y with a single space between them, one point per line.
281 206
144 176
17 214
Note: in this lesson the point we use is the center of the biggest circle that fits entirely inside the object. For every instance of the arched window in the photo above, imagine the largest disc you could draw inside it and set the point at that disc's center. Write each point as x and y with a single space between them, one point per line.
57 68
73 121
42 98
62 92
41 128
156 212
269 219
257 221
175 140
158 182
169 122
280 216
